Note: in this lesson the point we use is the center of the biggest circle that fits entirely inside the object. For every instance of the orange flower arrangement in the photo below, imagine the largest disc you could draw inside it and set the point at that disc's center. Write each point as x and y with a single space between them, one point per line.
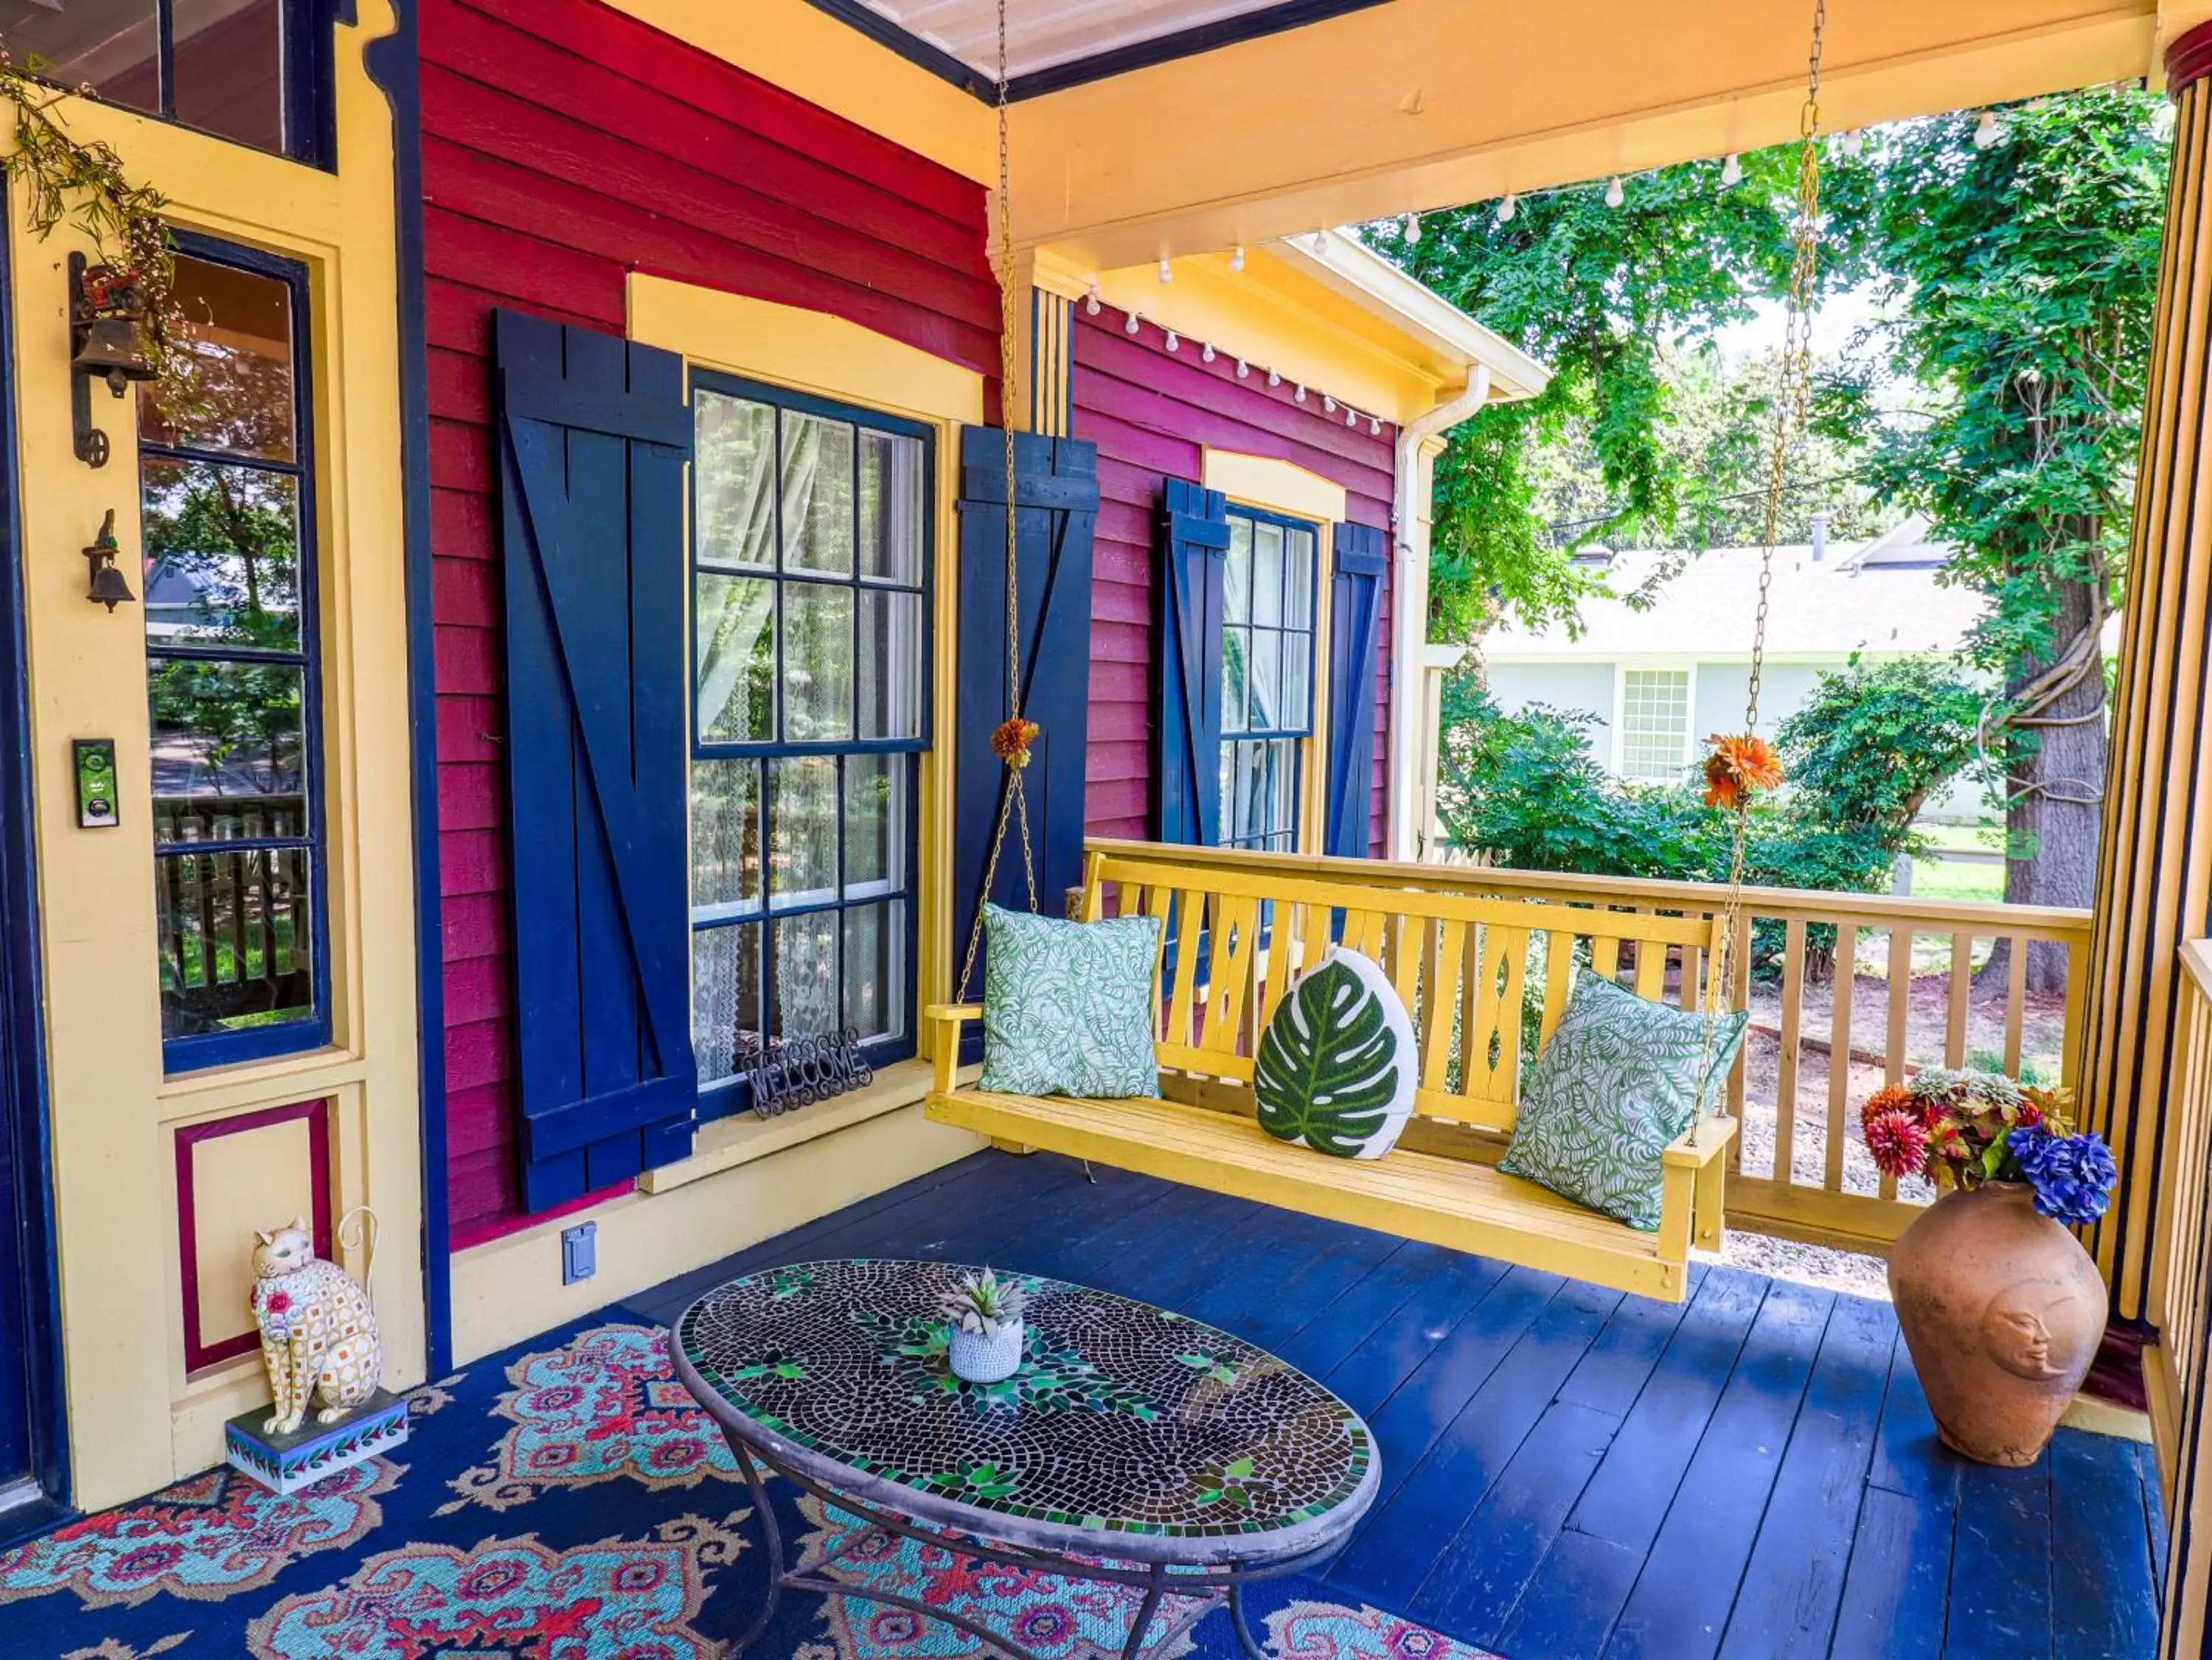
1011 741
1738 768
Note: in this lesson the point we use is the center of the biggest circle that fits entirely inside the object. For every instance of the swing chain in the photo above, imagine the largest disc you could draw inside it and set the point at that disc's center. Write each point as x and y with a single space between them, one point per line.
1792 408
1013 801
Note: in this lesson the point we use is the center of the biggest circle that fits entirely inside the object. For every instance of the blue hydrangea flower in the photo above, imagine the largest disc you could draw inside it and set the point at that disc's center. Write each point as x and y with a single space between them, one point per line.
2073 1176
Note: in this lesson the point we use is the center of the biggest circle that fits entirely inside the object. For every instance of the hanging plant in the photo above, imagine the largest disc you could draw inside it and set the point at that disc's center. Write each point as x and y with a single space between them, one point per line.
84 184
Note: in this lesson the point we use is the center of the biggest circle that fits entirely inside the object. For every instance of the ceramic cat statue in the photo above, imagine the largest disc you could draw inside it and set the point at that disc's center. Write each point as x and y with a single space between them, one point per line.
318 1335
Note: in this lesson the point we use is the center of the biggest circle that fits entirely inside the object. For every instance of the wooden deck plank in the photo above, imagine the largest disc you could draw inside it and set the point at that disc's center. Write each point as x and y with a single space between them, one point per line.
1794 1581
1480 1579
1681 1604
1894 1588
1626 1501
2097 1529
1410 1422
1371 1373
1618 1364
1568 1608
2000 1593
1392 1554
1364 1309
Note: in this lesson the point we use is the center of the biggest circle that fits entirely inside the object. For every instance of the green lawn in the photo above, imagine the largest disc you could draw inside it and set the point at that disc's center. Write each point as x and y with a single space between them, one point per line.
1951 879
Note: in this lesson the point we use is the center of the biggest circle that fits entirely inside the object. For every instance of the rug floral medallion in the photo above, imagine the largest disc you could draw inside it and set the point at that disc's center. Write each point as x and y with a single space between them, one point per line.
565 1501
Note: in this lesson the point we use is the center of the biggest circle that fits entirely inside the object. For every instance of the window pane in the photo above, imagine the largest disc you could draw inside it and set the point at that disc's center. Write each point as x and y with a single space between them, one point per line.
1267 573
229 64
1237 577
725 837
734 467
237 940
891 507
735 628
807 1002
875 823
1267 679
1297 687
241 346
802 830
1298 576
891 666
1655 723
222 555
817 495
817 661
725 998
112 45
875 970
1236 648
1283 817
227 744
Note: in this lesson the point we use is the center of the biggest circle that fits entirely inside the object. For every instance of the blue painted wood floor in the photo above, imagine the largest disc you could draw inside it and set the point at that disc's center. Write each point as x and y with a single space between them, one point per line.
1568 1472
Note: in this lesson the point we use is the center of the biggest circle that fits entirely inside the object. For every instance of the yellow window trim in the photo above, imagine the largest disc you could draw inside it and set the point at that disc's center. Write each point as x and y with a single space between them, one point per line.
1274 487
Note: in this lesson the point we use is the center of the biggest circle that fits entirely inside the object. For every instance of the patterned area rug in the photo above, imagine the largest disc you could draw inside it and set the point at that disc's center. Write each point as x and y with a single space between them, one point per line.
565 1501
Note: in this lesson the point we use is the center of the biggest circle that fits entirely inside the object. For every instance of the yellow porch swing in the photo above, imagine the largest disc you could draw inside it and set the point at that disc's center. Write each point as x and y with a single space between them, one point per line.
1250 926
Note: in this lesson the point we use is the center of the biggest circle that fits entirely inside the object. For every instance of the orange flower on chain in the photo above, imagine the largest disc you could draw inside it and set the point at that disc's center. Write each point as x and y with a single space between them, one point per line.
1738 768
1011 742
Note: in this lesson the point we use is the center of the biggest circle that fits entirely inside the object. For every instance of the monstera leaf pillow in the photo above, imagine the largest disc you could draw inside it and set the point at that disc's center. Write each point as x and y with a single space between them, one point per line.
1621 1078
1068 1006
1335 1067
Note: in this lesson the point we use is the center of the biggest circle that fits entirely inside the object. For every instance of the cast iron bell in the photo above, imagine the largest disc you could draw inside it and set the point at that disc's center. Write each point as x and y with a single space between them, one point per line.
108 586
113 349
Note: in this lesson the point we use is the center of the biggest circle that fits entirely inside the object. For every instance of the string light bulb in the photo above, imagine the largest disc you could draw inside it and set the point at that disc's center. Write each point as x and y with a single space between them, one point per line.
1375 426
1329 405
1237 258
1301 392
1508 208
1208 354
1091 301
1614 195
1275 378
1167 271
1352 417
1243 370
1731 170
1130 327
1413 228
1988 133
1175 340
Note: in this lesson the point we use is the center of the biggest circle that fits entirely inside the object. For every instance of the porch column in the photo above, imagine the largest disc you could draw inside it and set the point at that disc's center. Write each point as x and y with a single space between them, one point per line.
2154 864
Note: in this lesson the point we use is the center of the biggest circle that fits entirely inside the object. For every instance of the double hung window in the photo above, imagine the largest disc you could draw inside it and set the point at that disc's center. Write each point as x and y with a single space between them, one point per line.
810 542
233 666
1266 677
1654 725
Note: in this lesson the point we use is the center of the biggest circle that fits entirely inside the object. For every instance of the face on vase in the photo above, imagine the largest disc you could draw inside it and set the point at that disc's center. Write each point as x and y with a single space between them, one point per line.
2016 1330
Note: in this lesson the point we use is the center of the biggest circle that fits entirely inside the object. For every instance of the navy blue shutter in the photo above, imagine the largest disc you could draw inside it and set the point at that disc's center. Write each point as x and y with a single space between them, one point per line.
1194 559
594 433
1363 562
1058 507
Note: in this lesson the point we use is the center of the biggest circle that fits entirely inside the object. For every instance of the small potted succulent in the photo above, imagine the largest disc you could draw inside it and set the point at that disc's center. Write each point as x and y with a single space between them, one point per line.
2002 1308
983 1327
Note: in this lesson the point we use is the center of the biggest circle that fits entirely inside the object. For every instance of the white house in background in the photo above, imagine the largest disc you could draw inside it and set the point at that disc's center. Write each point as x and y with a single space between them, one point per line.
1659 681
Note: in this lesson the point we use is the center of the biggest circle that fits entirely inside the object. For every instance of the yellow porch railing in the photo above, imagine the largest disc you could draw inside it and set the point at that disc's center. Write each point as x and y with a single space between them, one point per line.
1929 987
2175 1368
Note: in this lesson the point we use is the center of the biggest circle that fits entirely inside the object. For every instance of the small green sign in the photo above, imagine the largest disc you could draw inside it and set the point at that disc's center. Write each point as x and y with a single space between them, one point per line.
96 784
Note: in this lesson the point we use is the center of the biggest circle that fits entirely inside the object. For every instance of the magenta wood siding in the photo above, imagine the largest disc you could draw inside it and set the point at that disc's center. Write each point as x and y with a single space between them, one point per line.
566 144
1153 413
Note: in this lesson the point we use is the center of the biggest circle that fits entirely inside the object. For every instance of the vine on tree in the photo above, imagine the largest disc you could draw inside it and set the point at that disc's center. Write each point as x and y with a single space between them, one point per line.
84 184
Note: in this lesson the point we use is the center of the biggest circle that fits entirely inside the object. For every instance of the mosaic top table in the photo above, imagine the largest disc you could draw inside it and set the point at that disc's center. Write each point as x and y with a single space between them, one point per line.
1133 1447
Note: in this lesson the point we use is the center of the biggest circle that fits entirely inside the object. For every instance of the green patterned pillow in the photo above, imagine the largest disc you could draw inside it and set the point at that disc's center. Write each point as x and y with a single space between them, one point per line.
1336 1063
1618 1083
1068 1006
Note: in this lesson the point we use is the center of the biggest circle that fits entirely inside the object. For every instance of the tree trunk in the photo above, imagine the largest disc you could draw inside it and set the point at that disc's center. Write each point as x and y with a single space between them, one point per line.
2057 810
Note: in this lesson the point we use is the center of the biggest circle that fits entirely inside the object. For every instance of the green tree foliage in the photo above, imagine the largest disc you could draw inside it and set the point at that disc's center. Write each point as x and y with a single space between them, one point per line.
1602 296
1875 740
2026 273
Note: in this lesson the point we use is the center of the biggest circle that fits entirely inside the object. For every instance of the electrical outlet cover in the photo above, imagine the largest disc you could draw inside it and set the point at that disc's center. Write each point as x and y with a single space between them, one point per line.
579 1252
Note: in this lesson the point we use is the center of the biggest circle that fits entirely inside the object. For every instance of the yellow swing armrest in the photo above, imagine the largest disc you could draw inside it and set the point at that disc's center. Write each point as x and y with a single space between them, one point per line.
1701 1143
949 1019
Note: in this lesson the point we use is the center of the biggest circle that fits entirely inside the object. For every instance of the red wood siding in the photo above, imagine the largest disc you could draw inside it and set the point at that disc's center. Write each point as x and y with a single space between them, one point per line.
564 145
1153 413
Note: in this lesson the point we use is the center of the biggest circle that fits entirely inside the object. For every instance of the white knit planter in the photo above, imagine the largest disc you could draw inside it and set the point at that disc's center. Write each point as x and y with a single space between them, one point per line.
981 1360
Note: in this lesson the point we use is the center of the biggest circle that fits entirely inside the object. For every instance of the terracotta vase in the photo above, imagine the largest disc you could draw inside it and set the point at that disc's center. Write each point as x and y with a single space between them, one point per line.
2002 1310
